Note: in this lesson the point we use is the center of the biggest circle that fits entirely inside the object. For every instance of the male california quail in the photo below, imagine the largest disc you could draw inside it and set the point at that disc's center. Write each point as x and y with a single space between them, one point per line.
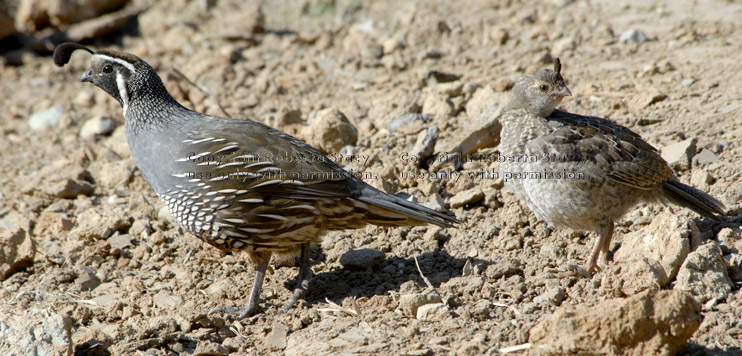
582 172
239 184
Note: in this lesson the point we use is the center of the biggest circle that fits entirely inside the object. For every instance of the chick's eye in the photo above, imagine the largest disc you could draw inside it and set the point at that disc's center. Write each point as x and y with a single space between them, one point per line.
108 69
543 87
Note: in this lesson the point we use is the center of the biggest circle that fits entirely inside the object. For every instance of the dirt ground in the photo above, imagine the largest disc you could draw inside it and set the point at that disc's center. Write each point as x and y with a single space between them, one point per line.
119 276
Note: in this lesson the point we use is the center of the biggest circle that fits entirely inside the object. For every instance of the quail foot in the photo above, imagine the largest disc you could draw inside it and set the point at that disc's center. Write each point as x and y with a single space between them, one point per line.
239 185
582 172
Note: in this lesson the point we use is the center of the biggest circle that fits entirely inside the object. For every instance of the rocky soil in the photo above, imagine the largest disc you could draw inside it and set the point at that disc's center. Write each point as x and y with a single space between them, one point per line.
92 264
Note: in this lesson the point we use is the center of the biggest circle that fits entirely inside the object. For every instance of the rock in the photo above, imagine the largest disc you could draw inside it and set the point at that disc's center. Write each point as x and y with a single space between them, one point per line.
630 277
52 223
499 36
700 179
687 82
645 98
99 125
409 303
117 142
86 278
425 144
14 220
553 296
276 339
466 197
452 89
667 240
483 98
704 157
113 174
330 130
503 84
67 188
704 274
482 130
504 268
432 312
563 45
17 252
94 225
679 154
362 258
101 26
166 300
35 332
48 117
408 119
645 324
435 77
34 15
437 105
633 36
289 121
7 27
210 348
392 44
121 241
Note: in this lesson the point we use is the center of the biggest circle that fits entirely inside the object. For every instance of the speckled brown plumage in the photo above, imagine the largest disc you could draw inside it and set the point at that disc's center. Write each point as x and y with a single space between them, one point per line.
583 172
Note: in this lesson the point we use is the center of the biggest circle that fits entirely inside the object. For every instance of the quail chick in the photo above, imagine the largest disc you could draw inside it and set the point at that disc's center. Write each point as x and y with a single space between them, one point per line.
239 185
582 172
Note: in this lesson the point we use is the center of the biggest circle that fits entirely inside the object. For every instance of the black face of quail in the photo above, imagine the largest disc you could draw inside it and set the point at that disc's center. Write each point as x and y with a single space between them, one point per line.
109 76
541 92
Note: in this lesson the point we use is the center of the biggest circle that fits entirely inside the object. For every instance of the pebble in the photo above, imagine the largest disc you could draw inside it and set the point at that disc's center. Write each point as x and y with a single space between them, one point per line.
330 130
410 303
276 339
634 36
687 82
99 125
679 154
405 120
704 157
17 252
704 274
432 312
35 332
361 258
466 197
630 277
667 318
437 105
425 144
48 117
667 240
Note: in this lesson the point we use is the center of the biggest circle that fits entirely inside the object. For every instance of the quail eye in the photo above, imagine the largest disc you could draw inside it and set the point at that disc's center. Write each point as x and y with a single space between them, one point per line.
543 88
107 69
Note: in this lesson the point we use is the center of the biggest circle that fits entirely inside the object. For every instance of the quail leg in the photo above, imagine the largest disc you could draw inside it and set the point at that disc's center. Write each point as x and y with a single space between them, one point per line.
600 249
252 303
302 280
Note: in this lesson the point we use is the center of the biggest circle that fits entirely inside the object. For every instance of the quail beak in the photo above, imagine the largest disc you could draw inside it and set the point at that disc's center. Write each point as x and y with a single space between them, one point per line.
565 91
87 76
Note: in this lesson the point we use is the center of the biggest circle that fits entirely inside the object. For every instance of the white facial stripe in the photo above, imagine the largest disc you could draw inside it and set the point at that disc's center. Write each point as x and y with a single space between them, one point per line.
122 62
122 91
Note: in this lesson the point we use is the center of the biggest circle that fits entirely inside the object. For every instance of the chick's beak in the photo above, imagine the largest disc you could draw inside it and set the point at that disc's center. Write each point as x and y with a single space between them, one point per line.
565 91
87 76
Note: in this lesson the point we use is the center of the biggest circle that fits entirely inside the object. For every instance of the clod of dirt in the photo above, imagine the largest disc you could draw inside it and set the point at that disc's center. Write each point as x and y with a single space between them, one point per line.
17 252
704 274
362 258
645 324
667 240
330 130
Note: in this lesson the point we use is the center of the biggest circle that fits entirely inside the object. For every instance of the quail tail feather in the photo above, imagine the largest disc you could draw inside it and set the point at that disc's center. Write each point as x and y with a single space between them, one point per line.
694 199
389 210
